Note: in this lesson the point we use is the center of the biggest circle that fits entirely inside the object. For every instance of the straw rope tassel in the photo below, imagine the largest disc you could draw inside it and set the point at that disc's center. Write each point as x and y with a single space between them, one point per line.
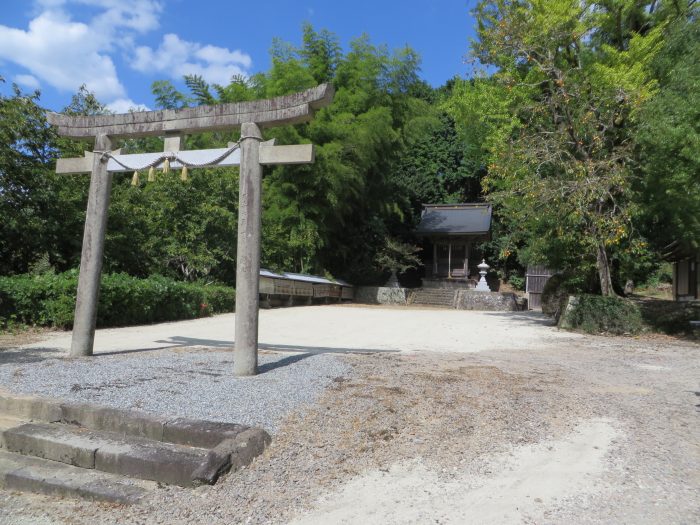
135 179
151 174
166 166
183 174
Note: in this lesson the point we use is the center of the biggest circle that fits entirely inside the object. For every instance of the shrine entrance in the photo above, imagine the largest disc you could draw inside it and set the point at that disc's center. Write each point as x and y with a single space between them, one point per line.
450 259
249 152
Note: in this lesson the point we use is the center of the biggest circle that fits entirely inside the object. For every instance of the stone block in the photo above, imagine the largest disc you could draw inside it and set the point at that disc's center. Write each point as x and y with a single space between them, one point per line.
127 422
30 407
565 317
381 295
52 442
163 462
232 454
29 474
487 301
199 433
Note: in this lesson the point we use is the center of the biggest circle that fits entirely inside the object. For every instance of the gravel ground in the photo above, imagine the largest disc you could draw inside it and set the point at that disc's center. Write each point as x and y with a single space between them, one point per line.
185 382
576 430
337 328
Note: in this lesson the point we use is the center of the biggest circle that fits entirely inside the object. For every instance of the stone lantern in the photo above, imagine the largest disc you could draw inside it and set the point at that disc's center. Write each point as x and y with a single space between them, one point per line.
481 285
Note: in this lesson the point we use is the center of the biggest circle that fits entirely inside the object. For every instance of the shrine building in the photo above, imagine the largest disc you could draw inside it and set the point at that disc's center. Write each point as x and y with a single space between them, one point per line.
451 234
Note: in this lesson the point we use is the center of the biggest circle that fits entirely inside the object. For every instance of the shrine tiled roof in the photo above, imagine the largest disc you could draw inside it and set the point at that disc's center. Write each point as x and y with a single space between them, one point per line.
455 219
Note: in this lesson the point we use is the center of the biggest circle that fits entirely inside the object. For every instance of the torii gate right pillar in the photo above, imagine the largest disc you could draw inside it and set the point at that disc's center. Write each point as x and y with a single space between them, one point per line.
245 361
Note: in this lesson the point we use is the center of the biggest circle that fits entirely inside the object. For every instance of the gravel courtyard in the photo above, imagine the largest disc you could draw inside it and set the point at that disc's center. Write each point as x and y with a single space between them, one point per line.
398 415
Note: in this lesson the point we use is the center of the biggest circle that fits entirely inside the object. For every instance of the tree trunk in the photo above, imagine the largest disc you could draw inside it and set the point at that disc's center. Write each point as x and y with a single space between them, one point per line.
603 266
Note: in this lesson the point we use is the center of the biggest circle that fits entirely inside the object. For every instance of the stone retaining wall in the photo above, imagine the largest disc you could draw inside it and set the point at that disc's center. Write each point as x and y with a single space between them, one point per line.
381 295
464 300
487 301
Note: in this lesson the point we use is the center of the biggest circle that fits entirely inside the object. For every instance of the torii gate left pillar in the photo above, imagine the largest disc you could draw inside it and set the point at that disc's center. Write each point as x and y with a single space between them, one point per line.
290 109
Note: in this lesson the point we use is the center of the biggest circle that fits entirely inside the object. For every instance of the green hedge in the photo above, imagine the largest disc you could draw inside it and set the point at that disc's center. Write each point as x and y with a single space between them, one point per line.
49 300
597 314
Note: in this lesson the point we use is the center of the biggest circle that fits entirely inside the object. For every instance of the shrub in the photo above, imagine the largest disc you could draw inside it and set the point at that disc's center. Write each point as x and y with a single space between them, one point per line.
596 314
49 299
517 280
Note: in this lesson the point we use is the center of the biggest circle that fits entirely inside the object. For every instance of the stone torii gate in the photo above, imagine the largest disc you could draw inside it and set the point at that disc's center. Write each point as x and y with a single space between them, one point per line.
250 152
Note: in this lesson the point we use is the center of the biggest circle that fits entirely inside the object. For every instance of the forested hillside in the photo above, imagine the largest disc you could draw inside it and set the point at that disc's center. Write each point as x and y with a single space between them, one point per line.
582 128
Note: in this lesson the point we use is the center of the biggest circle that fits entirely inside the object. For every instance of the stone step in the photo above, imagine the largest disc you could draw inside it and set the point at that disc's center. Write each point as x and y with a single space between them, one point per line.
65 443
181 431
108 452
10 421
433 297
29 474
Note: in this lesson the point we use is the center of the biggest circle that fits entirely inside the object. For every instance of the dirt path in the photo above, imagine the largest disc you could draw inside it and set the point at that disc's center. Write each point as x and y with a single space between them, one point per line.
527 481
577 430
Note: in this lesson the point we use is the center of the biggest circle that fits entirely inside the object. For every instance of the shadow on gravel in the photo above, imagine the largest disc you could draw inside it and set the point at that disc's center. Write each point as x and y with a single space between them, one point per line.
18 356
302 351
280 363
325 349
532 318
308 351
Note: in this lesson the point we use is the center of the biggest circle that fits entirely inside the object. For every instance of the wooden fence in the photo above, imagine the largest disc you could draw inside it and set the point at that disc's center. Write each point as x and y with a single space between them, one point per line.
535 279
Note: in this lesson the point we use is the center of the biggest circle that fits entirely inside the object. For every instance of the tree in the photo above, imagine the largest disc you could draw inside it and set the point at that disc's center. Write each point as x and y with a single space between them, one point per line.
167 97
397 257
434 167
559 149
321 52
669 141
27 145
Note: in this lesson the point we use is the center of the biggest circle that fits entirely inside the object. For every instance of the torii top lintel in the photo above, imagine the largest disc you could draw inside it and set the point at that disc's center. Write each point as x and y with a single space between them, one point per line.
279 111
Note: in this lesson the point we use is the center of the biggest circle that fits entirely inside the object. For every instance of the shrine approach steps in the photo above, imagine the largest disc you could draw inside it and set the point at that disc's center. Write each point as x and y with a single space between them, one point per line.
113 455
441 297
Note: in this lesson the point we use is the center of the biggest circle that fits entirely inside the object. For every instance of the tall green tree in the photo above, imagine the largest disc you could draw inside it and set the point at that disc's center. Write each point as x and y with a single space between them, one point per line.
27 146
558 143
668 140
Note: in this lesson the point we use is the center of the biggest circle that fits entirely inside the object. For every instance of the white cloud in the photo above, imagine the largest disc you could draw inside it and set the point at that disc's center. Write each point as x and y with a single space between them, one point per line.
27 81
62 53
126 105
176 57
69 43
66 53
221 55
138 15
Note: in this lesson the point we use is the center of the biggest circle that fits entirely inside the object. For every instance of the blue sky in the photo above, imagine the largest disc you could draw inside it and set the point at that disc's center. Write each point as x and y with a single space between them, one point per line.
119 47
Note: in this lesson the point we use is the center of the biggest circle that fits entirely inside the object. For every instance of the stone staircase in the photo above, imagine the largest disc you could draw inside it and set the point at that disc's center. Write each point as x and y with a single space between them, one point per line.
433 297
113 455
